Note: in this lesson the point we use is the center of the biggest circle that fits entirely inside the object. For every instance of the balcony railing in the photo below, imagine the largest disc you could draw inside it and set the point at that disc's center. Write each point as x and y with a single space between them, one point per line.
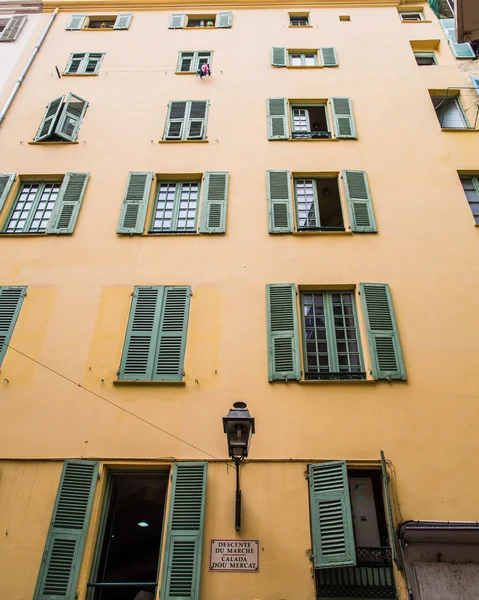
442 8
310 135
372 577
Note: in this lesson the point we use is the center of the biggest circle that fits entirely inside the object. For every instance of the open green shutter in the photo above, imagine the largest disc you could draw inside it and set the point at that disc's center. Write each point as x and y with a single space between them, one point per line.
138 358
67 206
71 117
177 21
344 126
170 353
6 182
224 19
196 126
283 337
184 538
278 57
280 209
11 299
63 552
135 202
393 538
328 57
123 21
459 50
331 521
49 119
383 336
277 119
75 22
215 202
360 206
175 121
13 28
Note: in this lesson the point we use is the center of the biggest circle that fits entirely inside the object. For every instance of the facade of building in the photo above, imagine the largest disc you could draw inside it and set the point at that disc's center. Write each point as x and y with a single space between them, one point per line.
296 231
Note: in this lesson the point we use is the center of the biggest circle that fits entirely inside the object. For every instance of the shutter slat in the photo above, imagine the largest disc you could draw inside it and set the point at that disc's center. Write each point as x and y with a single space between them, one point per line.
6 182
280 208
135 202
13 28
277 119
283 338
344 125
215 202
278 57
67 206
71 118
360 206
11 299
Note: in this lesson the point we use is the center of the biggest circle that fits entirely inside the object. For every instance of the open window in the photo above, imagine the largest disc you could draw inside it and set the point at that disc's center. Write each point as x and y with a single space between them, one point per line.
309 122
425 59
317 57
470 184
407 17
299 20
190 62
318 204
62 119
99 22
456 108
10 27
201 21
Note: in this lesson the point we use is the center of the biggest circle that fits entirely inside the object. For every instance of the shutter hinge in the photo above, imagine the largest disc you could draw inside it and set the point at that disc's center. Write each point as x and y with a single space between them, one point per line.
98 475
306 475
311 556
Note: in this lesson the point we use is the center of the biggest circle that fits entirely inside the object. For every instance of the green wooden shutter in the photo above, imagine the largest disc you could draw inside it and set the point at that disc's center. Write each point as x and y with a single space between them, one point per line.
6 182
13 28
383 335
198 115
393 538
278 57
475 83
135 202
283 337
328 57
360 206
92 63
123 21
215 202
184 538
138 358
63 552
175 121
331 521
224 19
49 119
75 63
344 125
75 22
280 209
277 119
170 353
71 117
11 299
177 21
68 204
459 50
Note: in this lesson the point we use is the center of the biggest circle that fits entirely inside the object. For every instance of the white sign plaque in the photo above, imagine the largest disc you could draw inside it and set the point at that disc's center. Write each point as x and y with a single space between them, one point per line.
234 555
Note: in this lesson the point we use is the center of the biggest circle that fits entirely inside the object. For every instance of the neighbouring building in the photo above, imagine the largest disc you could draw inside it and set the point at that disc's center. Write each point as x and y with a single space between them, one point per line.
296 230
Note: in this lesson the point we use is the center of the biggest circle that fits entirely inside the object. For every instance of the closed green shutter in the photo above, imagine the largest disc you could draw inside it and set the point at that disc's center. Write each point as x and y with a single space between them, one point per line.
198 114
175 121
63 552
328 57
215 202
383 336
177 21
49 119
459 50
393 538
331 521
360 207
75 63
13 28
283 338
170 354
75 22
344 126
277 119
68 204
224 19
123 21
278 57
135 202
6 182
280 209
184 538
71 117
11 299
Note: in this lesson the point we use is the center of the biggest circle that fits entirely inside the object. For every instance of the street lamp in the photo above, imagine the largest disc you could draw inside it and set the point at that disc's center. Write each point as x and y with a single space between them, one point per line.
239 427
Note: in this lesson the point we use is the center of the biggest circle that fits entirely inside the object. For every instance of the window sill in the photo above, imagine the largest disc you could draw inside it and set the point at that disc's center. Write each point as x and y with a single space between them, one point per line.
321 233
183 141
143 382
4 234
460 129
65 143
185 72
198 28
304 67
97 29
300 26
410 22
172 234
321 381
79 74
321 139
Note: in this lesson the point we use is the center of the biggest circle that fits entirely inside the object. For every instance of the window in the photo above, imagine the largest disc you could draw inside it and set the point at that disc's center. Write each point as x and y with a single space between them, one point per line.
176 204
303 59
155 340
425 58
460 51
471 189
299 20
449 112
281 57
99 22
47 206
411 16
62 119
11 299
183 21
331 343
190 62
10 28
186 120
86 63
318 205
357 561
310 120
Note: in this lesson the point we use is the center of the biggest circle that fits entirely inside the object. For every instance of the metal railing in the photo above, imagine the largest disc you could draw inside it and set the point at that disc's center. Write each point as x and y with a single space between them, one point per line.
310 135
442 8
464 114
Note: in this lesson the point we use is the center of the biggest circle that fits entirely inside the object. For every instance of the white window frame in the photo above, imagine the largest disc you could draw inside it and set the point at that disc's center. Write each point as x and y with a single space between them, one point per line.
195 60
419 13
302 56
304 17
426 55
